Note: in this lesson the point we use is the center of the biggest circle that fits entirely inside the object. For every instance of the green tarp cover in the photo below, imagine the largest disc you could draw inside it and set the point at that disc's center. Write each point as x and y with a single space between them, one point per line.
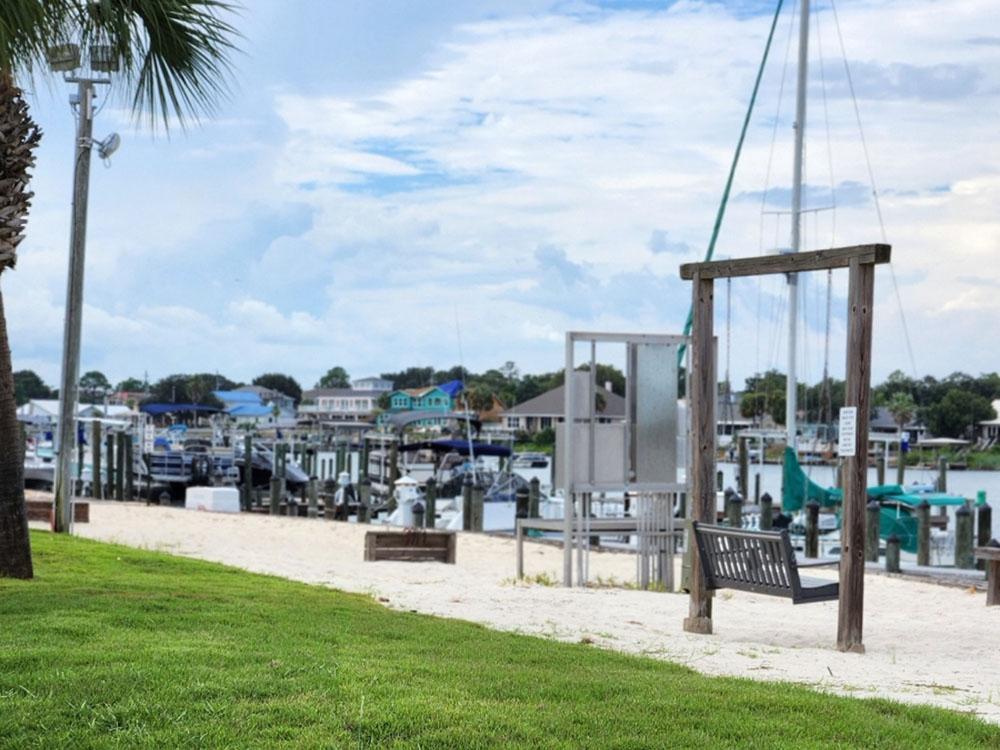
797 489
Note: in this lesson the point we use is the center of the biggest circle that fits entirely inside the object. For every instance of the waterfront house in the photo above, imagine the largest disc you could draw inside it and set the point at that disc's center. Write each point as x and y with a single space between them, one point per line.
381 385
546 410
989 429
339 405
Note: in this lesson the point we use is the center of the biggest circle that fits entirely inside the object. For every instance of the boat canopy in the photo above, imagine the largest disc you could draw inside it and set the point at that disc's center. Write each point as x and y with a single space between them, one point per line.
461 447
157 409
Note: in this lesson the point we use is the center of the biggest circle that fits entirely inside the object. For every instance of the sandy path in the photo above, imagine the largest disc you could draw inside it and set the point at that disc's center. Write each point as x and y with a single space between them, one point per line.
925 643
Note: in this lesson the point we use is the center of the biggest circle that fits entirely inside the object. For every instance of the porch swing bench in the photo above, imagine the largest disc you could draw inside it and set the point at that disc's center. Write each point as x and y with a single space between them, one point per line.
761 562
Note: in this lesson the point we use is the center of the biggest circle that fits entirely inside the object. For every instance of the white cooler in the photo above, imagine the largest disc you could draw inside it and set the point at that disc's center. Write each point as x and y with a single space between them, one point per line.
217 499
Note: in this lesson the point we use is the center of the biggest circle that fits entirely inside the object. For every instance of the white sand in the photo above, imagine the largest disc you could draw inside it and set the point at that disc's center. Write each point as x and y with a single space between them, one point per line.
925 643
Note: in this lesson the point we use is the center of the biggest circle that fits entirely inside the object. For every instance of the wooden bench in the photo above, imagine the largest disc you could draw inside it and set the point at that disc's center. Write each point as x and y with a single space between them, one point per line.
42 510
762 562
991 555
411 545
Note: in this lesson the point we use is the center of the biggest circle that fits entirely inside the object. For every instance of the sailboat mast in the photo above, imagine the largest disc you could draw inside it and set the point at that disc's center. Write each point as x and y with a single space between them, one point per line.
791 388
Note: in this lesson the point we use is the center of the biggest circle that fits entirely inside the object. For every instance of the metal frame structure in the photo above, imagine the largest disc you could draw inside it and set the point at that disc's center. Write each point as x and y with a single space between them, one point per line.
579 538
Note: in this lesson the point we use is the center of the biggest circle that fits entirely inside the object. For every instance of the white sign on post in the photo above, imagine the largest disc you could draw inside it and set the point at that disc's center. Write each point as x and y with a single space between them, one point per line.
848 440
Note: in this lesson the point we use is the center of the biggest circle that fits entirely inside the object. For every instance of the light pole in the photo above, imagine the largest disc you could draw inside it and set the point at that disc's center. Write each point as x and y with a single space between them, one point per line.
66 58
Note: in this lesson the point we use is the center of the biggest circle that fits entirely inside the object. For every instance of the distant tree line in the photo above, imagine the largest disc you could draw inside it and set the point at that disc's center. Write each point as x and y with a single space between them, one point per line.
949 407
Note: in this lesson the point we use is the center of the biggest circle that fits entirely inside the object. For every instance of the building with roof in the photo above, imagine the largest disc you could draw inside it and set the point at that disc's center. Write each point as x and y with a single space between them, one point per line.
261 407
989 429
339 405
548 409
439 399
380 385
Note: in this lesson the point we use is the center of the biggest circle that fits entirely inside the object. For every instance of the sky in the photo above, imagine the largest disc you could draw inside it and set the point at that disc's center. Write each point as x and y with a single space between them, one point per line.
400 183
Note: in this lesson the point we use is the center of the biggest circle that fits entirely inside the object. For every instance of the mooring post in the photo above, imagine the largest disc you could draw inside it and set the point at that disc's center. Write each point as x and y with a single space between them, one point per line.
478 493
872 531
702 404
734 511
924 533
892 554
247 471
109 456
467 503
364 500
313 511
120 467
766 512
984 524
521 499
857 393
534 496
96 486
418 515
275 495
756 488
963 538
430 503
719 480
165 498
744 456
812 529
900 466
393 473
129 468
880 469
942 482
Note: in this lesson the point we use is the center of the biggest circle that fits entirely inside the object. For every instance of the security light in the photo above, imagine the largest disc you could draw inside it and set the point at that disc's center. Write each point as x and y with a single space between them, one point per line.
103 58
63 57
108 146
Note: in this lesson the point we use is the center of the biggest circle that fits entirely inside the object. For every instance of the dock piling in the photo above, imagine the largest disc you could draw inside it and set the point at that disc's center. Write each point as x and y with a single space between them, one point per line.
766 512
275 487
984 523
534 495
313 511
892 554
430 503
812 529
924 533
963 538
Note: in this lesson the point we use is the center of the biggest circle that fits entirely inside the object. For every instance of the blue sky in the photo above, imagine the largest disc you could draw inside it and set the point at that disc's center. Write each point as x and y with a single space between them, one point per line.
384 169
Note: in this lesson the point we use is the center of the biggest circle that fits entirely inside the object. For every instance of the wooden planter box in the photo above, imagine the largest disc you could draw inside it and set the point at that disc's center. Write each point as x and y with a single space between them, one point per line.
415 545
42 510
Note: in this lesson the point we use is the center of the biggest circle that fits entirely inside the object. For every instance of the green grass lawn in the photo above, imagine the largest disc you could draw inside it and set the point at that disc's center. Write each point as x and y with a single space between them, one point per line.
114 647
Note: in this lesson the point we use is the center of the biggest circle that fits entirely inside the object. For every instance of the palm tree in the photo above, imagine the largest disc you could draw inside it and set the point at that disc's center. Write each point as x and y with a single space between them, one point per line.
173 57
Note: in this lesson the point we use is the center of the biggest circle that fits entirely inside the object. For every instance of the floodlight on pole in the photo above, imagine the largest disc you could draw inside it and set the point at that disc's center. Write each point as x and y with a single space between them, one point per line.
66 58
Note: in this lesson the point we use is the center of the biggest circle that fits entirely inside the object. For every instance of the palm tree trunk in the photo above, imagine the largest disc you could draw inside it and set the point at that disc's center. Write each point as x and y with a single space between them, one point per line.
15 545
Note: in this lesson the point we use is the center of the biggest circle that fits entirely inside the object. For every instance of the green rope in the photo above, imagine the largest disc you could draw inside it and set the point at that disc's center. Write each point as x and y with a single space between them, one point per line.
732 169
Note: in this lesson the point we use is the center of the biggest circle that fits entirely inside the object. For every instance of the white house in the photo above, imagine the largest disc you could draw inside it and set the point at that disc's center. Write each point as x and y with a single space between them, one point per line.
339 404
380 385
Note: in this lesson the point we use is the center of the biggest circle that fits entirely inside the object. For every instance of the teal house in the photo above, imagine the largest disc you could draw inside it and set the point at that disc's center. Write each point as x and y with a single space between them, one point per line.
431 398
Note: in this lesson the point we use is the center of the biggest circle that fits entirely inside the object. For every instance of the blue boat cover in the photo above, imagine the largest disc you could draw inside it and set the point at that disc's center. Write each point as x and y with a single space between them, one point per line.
157 409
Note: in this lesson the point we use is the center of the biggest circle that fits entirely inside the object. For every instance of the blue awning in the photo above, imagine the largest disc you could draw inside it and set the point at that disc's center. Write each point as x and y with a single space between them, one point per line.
157 409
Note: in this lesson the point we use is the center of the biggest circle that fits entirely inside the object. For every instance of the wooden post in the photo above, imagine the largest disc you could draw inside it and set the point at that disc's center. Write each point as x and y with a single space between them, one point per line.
880 469
521 498
744 456
467 503
839 481
900 465
96 486
872 531
247 471
393 473
129 468
478 491
734 511
120 466
942 482
766 512
430 502
418 515
702 405
81 452
924 533
756 488
313 511
534 494
275 495
109 455
963 538
984 524
850 616
812 529
364 500
719 481
892 554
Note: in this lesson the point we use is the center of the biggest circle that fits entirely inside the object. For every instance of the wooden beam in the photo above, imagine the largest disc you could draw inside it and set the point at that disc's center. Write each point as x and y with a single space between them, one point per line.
815 260
850 617
703 395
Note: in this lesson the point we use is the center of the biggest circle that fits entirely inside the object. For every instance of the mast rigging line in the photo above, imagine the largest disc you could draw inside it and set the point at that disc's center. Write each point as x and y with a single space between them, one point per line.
732 169
871 179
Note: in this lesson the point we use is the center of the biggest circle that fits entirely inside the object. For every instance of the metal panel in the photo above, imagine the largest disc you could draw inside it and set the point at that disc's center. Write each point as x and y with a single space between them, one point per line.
609 466
655 442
